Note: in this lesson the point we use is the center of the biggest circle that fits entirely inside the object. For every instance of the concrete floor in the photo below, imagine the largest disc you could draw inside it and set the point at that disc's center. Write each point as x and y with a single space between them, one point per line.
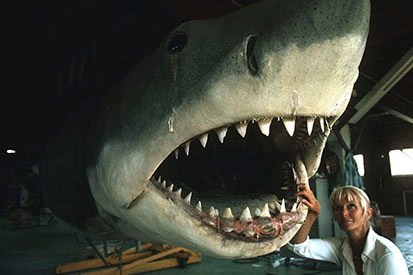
39 250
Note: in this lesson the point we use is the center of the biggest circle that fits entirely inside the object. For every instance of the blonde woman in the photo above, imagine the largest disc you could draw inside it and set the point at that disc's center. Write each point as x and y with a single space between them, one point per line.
361 251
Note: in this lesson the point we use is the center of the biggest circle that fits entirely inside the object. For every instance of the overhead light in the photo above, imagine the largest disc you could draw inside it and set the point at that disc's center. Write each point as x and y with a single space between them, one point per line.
10 151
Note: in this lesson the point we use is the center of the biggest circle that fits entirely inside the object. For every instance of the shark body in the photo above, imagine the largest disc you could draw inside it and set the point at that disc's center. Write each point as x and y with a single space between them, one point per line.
202 144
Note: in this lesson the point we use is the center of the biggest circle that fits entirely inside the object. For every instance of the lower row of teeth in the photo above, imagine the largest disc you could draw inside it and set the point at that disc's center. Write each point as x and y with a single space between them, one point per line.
228 223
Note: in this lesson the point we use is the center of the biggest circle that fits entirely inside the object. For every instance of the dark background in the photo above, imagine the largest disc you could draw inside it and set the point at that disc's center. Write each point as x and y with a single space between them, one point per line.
55 54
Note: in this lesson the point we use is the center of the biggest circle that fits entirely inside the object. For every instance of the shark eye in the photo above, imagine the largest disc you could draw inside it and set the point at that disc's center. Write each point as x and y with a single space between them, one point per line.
177 43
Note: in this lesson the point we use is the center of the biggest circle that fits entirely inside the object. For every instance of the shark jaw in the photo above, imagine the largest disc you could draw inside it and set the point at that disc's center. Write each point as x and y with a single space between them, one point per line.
238 218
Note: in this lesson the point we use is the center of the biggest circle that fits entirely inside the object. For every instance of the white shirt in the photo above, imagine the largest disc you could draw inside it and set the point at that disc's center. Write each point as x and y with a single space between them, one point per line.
380 255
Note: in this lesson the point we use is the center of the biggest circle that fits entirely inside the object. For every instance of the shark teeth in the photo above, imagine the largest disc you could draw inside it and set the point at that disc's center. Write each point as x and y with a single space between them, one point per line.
203 139
242 128
264 125
170 188
212 212
199 206
222 132
188 198
187 145
178 192
294 208
310 125
289 124
228 214
322 124
257 212
266 212
246 215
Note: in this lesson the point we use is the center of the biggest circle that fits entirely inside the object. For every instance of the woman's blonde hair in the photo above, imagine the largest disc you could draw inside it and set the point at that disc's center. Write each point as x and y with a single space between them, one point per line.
350 193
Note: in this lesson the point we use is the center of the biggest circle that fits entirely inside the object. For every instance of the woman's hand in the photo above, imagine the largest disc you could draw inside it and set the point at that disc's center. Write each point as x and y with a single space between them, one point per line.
306 196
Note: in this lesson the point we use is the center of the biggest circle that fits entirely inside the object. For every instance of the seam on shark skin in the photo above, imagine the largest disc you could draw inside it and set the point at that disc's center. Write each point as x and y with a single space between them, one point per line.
135 200
174 66
295 101
171 120
174 70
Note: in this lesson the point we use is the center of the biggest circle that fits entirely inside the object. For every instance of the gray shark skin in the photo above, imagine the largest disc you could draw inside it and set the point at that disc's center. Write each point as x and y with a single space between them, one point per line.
260 88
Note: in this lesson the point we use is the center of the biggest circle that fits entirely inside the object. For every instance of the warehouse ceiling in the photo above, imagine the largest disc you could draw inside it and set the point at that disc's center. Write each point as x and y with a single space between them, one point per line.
59 53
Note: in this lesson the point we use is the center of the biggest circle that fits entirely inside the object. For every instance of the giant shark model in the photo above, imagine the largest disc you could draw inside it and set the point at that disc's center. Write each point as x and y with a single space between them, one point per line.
204 141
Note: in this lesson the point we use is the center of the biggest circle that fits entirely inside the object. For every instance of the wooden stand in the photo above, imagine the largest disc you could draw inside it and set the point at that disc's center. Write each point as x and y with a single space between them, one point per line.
388 227
150 257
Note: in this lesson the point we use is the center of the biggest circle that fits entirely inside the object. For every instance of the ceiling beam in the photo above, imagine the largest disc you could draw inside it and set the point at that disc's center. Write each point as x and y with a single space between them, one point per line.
397 114
396 100
398 106
391 78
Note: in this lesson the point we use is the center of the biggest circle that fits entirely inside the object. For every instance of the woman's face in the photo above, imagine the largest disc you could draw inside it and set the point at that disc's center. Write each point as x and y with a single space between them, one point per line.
349 215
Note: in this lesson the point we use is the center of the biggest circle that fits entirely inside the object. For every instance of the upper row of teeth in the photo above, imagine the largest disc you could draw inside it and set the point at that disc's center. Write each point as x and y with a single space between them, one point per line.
264 126
246 213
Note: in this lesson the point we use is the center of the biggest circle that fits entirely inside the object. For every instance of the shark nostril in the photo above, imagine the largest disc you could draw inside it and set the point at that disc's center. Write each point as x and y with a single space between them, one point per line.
251 61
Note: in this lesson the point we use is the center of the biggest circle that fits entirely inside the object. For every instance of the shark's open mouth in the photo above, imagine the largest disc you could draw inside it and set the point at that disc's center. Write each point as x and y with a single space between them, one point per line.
241 180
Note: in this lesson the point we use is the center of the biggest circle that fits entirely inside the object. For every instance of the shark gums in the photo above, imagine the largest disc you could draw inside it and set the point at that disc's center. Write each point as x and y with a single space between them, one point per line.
203 143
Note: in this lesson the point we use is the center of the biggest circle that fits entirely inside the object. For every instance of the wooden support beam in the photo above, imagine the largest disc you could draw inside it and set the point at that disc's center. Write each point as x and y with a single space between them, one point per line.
132 262
340 139
402 67
397 114
398 106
